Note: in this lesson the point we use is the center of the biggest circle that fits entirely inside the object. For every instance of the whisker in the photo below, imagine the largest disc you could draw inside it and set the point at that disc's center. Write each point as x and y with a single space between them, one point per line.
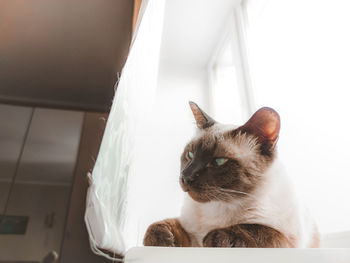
233 191
224 190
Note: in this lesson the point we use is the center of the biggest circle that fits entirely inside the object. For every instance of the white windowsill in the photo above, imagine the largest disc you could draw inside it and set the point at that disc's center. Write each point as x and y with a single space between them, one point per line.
237 255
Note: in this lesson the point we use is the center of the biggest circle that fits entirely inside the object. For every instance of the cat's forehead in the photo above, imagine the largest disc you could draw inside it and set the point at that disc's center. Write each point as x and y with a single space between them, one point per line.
216 131
219 140
213 136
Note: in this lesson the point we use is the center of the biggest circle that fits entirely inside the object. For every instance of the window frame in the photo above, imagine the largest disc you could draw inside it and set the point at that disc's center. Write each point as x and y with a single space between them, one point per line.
235 30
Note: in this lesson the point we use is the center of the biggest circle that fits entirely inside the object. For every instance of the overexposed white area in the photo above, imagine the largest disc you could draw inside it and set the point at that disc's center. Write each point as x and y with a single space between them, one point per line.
226 103
154 189
300 61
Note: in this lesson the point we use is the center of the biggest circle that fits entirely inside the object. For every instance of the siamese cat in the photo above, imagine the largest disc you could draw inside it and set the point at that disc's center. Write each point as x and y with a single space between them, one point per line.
237 193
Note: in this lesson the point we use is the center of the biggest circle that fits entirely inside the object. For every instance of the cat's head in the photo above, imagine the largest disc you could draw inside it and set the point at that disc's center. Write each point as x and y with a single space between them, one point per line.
223 163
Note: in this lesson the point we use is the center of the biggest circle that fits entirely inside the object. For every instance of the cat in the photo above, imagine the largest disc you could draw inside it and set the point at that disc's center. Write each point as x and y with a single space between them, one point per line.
237 192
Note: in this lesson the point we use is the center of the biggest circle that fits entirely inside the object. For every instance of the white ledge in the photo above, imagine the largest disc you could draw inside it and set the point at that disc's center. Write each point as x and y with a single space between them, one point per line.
237 255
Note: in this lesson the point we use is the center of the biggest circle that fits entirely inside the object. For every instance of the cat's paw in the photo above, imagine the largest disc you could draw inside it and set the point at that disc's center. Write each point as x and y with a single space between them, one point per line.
159 234
218 238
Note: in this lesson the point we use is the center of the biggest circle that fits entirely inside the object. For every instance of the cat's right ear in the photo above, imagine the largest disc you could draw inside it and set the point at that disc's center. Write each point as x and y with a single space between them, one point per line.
203 120
265 125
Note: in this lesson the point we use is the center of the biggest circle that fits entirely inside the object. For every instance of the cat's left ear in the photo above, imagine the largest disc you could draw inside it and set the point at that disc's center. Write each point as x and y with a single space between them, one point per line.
265 125
203 120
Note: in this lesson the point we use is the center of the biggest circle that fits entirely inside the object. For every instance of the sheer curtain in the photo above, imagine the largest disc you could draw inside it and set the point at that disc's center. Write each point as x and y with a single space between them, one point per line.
111 210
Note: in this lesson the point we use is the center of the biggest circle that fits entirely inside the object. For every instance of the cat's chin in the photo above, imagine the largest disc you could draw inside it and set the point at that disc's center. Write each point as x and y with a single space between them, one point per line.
184 187
198 197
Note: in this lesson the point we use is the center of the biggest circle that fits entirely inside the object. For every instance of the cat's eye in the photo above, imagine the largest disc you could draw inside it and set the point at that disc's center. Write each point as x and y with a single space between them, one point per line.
190 155
220 161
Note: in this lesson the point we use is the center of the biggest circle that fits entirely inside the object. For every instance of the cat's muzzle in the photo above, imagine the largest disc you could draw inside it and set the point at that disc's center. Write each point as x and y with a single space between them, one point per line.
187 181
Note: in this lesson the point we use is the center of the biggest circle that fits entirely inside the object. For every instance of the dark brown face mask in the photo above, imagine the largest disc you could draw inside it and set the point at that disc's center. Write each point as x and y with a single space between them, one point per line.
211 169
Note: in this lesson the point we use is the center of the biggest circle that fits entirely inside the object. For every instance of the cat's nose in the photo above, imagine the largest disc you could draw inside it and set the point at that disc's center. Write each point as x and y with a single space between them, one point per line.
190 173
188 179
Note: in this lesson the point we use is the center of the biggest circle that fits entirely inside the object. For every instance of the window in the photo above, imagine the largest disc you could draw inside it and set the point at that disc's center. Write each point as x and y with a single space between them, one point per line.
299 57
226 101
230 98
